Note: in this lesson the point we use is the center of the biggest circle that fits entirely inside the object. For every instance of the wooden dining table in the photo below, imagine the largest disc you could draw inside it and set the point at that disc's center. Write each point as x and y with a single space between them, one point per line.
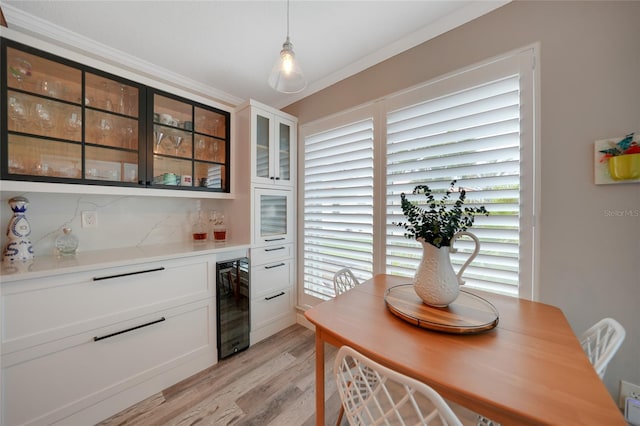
529 369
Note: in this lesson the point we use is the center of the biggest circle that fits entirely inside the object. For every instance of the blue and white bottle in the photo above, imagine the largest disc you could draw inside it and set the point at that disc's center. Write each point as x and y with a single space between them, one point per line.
19 247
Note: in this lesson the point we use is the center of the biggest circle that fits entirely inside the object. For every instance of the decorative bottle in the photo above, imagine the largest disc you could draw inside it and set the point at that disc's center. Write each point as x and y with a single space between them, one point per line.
199 227
19 247
66 243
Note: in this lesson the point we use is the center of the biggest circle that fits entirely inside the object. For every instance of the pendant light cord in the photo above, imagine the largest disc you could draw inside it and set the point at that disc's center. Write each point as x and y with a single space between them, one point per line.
287 19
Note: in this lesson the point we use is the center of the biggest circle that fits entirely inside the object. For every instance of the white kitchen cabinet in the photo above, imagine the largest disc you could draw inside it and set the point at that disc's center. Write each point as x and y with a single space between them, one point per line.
272 290
273 137
273 216
270 136
79 347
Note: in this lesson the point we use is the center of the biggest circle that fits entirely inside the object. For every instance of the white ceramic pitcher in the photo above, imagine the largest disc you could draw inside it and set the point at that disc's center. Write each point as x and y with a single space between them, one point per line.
435 281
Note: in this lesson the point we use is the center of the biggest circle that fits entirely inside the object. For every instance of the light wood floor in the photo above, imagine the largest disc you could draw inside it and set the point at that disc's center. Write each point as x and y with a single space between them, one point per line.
271 383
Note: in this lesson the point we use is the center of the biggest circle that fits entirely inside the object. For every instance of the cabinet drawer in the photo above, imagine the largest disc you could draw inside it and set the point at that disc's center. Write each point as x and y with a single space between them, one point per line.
262 255
270 307
47 383
45 309
267 278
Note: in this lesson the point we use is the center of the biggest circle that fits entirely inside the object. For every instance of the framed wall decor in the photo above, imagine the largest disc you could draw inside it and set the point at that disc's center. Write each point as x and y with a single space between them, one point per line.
617 160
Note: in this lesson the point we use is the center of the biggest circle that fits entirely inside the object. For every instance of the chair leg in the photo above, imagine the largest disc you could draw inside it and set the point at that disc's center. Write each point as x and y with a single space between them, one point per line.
340 414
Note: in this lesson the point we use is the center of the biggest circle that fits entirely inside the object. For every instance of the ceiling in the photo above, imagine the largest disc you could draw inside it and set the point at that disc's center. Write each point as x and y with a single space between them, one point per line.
226 49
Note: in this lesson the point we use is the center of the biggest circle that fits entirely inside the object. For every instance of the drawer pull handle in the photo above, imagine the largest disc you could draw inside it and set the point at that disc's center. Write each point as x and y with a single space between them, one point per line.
108 277
274 249
274 266
274 239
282 293
106 336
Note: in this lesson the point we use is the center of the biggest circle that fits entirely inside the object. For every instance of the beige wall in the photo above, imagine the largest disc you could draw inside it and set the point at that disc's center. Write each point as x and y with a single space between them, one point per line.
590 89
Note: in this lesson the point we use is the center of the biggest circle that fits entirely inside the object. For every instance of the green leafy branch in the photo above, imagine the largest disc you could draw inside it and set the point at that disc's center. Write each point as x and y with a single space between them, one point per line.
440 220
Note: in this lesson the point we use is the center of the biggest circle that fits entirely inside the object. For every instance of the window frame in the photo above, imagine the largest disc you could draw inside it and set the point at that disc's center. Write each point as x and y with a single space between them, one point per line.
525 61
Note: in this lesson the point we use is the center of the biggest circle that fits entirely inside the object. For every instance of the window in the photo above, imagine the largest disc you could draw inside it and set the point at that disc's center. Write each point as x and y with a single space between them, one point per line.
338 205
475 126
472 136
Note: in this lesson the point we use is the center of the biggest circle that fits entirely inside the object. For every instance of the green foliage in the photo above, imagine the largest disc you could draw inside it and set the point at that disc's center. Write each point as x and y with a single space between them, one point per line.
440 220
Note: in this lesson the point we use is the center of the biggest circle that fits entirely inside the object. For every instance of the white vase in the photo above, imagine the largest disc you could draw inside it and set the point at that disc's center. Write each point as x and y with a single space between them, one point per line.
435 281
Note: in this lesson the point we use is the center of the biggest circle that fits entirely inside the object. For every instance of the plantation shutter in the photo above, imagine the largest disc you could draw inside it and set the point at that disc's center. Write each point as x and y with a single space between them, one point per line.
338 205
472 135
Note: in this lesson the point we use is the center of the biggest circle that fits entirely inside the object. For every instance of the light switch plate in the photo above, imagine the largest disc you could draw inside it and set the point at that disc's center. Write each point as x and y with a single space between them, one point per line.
90 219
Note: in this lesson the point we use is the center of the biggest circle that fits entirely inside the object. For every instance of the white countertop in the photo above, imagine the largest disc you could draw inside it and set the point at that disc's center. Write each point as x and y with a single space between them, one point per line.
47 266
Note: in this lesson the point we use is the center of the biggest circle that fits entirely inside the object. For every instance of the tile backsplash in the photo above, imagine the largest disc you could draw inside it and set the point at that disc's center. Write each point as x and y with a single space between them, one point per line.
122 221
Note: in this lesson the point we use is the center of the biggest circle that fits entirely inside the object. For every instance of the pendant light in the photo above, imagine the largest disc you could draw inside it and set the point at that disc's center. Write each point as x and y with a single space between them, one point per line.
286 75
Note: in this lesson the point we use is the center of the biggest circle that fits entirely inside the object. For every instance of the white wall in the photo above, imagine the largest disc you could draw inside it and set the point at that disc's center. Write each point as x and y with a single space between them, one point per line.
590 89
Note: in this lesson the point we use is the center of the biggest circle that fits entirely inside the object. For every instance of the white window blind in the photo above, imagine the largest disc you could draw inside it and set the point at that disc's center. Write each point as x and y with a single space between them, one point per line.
473 136
338 205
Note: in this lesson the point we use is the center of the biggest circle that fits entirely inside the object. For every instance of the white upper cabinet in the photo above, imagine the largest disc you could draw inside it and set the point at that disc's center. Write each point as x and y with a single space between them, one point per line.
273 147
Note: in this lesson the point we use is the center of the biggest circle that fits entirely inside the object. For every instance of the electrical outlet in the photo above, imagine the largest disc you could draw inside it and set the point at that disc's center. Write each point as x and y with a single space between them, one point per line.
628 389
90 219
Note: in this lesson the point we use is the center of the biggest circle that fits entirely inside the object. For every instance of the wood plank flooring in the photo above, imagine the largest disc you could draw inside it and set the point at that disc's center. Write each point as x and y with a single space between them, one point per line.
271 383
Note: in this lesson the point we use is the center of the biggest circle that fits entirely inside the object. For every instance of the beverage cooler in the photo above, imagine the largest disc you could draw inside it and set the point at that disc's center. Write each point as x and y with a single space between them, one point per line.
232 298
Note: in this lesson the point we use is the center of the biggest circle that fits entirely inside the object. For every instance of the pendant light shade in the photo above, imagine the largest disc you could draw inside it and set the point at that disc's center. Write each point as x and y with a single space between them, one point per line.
286 75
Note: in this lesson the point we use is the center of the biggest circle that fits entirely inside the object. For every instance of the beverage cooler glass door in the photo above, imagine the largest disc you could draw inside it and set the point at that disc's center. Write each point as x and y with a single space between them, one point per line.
273 221
232 296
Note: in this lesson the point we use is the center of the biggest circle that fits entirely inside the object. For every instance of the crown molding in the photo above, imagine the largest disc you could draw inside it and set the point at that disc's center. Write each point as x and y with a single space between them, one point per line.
47 31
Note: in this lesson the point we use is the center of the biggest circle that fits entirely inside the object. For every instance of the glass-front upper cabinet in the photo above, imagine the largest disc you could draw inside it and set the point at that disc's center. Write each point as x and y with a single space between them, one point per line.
190 144
65 123
68 123
273 144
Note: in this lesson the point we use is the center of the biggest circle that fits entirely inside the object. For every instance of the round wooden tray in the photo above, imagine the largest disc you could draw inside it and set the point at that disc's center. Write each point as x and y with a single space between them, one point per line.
468 314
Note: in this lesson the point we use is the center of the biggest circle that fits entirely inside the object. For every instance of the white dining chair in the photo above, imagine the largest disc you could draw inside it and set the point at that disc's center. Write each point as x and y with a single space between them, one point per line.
344 280
373 394
601 342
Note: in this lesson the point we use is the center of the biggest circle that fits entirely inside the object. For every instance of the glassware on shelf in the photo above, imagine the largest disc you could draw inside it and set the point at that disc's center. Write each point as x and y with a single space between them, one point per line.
104 128
66 243
215 123
44 116
127 136
177 141
51 88
122 102
18 112
73 123
158 136
200 147
108 104
214 149
20 69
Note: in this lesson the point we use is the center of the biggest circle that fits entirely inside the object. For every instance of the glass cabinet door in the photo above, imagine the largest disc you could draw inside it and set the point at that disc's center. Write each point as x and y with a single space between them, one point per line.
273 216
189 145
62 121
284 151
44 117
263 145
53 134
111 130
273 145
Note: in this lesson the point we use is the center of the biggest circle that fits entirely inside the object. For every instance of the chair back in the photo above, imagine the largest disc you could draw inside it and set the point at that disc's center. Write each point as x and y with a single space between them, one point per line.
372 394
601 342
344 280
